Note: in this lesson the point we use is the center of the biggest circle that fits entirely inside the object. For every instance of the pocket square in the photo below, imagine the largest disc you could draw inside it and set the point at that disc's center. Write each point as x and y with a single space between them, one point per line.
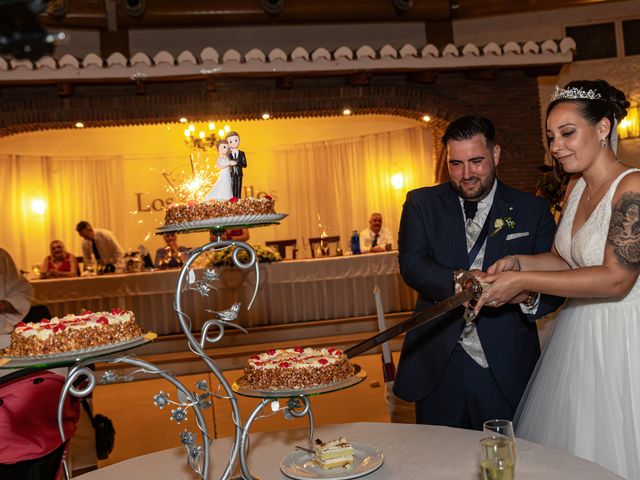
513 236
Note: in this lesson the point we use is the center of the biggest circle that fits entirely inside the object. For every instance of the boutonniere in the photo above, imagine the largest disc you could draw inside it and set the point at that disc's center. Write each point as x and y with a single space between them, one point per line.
501 223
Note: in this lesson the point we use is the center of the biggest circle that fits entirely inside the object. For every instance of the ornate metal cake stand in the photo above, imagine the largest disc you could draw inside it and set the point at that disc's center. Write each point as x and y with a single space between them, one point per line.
81 380
298 404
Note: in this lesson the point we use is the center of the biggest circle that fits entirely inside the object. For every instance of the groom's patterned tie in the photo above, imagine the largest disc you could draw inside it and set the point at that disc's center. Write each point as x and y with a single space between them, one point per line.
469 338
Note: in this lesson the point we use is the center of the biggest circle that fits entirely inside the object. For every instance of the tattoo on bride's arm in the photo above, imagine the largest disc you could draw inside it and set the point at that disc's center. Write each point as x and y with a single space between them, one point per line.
624 230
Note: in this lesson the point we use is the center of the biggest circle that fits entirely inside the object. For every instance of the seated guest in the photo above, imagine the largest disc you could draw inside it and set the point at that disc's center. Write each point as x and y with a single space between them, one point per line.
376 237
15 294
172 255
102 244
240 235
60 263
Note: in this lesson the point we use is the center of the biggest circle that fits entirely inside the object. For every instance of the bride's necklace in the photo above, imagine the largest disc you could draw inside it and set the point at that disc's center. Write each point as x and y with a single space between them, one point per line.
591 194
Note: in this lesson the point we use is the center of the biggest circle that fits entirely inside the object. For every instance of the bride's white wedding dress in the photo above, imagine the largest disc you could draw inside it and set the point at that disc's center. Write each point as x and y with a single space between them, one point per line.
221 190
585 394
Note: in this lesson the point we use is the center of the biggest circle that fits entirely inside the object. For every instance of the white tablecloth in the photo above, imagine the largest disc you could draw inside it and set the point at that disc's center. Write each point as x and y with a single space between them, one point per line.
410 452
290 291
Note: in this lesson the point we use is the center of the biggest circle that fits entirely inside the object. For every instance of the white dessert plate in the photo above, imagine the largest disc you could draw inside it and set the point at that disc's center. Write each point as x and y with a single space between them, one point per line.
73 355
223 222
301 466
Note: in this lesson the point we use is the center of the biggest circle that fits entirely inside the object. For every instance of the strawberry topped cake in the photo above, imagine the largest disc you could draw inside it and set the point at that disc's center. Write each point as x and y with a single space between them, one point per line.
72 332
297 368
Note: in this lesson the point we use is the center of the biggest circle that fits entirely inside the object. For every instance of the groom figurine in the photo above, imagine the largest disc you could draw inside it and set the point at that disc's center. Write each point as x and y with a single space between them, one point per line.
460 374
241 162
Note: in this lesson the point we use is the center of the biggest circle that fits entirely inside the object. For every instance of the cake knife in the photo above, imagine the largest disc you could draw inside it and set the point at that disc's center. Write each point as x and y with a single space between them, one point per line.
471 290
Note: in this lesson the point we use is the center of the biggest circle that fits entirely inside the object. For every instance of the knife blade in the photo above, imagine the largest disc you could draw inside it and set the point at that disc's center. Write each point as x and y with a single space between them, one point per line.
473 291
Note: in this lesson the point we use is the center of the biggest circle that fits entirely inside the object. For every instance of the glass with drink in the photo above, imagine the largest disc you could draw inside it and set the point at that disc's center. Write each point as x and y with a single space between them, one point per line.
498 462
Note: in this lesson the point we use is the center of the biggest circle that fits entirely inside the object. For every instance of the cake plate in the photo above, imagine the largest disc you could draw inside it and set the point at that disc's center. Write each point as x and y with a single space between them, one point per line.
298 404
66 359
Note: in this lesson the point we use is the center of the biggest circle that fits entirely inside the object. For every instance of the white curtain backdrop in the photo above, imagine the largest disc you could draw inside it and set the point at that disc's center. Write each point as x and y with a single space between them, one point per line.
343 181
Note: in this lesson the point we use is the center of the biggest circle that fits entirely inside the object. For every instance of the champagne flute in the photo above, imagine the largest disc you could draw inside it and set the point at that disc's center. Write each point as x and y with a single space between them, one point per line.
498 462
501 428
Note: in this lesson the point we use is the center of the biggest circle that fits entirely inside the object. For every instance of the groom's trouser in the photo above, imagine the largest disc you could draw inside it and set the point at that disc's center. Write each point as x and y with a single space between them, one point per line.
466 396
236 186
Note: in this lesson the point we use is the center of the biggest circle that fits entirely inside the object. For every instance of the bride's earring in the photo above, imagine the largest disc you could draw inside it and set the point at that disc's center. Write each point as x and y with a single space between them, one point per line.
603 143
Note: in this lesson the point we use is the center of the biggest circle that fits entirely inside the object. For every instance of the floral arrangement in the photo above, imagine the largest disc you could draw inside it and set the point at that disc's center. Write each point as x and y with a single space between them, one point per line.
552 185
263 254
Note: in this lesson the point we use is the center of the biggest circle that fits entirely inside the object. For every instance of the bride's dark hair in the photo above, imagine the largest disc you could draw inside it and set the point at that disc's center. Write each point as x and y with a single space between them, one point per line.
611 103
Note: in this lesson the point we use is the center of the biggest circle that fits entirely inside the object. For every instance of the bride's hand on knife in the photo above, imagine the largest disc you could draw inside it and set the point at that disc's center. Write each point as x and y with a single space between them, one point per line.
510 262
504 288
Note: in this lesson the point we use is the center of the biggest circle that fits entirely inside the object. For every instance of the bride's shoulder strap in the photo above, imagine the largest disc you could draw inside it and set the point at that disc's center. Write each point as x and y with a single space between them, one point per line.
627 181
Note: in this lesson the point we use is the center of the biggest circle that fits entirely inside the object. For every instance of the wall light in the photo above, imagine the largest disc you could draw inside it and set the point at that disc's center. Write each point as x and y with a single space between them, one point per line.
397 181
79 125
266 116
38 206
629 127
183 120
426 118
346 111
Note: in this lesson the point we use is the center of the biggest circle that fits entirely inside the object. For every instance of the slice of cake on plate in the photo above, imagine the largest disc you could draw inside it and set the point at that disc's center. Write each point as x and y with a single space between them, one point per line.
334 454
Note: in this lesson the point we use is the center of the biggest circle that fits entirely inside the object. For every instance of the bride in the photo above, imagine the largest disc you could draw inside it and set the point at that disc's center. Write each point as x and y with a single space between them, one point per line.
221 190
585 394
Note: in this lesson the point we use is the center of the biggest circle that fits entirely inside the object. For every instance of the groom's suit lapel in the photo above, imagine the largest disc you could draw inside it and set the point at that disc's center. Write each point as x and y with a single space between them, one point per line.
453 223
502 207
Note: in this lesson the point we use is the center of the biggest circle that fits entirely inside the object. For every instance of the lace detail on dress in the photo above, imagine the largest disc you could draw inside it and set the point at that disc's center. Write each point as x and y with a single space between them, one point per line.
586 248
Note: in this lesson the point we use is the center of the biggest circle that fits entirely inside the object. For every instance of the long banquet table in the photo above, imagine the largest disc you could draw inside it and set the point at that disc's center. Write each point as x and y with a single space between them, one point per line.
410 451
290 291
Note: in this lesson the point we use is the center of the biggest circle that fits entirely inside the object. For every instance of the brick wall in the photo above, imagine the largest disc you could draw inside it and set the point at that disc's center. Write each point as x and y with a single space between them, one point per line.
508 98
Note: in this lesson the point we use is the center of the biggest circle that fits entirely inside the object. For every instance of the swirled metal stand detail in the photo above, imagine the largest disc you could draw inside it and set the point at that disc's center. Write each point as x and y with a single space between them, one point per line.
187 281
197 455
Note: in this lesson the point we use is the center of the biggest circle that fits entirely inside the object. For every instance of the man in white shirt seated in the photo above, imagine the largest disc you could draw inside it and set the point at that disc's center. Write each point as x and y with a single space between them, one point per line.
376 237
102 244
15 295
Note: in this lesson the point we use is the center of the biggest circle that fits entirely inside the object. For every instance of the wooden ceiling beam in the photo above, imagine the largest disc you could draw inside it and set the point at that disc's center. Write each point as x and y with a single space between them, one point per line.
177 13
486 8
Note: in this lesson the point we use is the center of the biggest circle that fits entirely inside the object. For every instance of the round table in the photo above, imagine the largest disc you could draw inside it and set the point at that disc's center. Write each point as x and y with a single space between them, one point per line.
410 451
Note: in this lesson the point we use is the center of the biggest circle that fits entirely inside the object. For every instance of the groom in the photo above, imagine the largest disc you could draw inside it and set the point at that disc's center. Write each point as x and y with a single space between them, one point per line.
241 162
463 374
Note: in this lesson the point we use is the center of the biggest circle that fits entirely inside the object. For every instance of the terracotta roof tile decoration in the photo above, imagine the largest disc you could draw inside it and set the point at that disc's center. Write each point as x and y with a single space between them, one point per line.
256 61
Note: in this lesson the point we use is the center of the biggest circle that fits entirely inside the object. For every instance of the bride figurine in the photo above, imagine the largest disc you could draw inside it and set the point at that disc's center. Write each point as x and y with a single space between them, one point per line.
221 190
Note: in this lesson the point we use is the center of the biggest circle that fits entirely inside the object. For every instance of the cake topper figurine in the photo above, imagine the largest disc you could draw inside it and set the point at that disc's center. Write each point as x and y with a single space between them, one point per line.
222 189
240 160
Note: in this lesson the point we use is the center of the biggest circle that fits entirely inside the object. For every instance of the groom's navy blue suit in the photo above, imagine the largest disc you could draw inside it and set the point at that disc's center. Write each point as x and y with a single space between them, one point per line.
432 244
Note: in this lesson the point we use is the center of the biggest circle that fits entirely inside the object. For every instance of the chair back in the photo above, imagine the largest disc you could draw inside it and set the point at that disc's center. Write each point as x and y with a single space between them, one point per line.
330 244
282 245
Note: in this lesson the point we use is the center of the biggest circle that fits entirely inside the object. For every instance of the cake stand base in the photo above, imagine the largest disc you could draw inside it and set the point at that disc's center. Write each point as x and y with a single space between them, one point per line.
242 478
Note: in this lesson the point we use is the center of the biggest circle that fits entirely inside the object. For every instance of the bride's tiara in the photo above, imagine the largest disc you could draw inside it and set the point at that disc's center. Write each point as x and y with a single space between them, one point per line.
574 93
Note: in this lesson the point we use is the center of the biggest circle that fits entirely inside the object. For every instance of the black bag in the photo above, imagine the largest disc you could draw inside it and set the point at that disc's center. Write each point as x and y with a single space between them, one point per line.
105 433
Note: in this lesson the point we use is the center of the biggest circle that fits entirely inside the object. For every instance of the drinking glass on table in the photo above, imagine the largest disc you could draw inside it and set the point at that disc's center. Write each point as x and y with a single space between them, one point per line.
90 267
501 428
498 462
35 269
